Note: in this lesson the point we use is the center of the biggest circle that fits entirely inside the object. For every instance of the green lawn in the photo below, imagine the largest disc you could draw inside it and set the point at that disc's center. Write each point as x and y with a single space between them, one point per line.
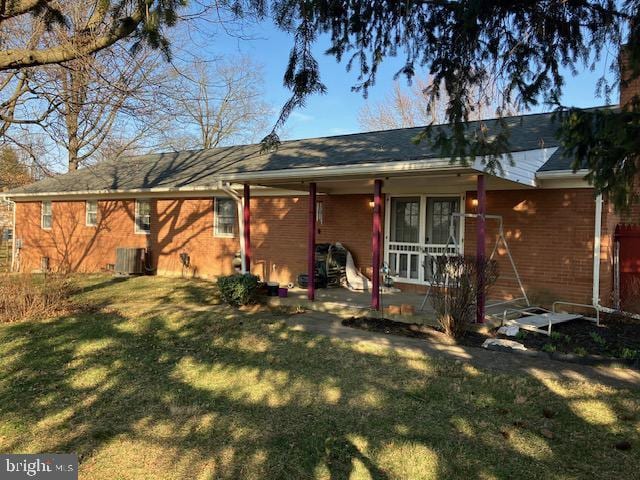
157 382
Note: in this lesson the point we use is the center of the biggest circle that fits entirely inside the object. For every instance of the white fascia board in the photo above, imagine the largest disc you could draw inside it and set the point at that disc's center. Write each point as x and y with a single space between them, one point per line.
326 172
562 174
563 179
182 192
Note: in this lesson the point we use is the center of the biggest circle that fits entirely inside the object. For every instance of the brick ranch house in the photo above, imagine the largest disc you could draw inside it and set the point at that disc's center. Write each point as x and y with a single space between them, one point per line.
371 189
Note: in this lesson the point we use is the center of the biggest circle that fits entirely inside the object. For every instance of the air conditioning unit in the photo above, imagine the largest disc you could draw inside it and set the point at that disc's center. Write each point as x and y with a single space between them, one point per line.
130 261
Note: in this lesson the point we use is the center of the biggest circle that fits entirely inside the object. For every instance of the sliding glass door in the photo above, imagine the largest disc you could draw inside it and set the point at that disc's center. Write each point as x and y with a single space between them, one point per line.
418 230
405 235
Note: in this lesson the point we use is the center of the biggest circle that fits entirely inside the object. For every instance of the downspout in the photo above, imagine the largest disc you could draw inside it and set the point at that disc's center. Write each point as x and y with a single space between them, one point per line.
13 238
226 187
596 253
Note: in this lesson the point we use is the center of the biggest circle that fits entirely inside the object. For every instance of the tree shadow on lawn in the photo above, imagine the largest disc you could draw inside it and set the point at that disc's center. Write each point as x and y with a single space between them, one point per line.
102 282
218 394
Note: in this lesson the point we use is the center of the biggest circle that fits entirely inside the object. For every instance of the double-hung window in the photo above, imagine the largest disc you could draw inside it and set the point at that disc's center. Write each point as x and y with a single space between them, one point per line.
47 216
143 216
224 221
91 207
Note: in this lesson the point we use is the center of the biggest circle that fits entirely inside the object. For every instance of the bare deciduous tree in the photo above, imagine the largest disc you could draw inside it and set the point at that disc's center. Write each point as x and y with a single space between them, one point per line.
222 103
99 97
108 22
416 106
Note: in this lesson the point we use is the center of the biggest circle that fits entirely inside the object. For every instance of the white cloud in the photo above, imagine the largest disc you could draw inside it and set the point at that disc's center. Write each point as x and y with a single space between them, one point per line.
301 117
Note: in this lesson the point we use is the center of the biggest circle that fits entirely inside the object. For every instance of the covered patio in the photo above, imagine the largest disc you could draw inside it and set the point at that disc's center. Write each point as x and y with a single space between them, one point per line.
344 303
430 184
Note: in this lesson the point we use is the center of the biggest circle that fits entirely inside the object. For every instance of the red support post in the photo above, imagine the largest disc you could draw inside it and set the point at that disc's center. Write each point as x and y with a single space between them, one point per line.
247 227
375 245
311 247
480 248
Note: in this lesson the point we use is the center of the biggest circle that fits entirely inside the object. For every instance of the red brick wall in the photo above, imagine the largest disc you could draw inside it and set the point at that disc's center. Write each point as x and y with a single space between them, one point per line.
629 88
279 233
186 226
611 218
176 226
550 235
70 244
279 246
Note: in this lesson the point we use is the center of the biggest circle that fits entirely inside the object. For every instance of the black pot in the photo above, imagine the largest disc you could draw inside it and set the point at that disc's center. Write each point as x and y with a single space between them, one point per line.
272 289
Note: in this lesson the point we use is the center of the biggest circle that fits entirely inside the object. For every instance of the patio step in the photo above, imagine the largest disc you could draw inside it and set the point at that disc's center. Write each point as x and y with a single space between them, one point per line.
347 309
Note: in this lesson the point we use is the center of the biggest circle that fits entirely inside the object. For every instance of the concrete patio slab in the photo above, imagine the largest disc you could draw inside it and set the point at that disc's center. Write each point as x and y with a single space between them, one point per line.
346 303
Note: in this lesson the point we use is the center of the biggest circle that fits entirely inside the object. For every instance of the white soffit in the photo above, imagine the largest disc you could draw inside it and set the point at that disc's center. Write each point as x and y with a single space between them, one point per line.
522 166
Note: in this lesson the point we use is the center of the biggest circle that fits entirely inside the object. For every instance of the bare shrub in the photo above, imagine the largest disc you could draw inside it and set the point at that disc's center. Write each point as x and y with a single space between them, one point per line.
25 297
454 294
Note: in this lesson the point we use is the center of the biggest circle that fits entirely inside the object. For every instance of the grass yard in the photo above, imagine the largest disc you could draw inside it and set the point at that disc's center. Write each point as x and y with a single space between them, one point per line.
154 381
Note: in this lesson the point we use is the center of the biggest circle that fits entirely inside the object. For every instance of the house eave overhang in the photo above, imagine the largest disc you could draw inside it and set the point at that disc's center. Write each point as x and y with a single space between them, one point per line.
562 174
563 179
517 167
111 192
160 192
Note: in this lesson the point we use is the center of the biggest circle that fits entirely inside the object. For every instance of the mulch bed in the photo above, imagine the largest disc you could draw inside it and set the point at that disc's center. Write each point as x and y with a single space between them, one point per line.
616 337
391 327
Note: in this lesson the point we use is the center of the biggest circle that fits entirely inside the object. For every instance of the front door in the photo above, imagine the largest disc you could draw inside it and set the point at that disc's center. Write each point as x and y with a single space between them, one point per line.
418 229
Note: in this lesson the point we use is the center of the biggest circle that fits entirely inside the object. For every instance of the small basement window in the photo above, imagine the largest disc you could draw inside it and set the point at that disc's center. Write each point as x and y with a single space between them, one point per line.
224 222
143 216
92 212
47 216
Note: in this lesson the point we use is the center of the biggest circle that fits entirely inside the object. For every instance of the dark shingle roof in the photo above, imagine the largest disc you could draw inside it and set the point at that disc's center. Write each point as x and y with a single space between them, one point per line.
203 168
560 160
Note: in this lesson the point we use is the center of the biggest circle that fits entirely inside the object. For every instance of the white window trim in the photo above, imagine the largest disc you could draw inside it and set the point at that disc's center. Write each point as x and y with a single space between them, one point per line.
137 230
217 234
86 213
422 227
42 214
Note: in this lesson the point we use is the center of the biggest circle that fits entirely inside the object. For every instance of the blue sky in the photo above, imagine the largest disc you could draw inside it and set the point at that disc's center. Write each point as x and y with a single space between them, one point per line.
336 112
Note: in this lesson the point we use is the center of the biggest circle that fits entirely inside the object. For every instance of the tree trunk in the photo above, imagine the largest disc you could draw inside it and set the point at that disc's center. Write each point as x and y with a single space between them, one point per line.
74 160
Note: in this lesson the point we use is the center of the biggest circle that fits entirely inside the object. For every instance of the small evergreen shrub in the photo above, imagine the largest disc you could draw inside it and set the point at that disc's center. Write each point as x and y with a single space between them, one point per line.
238 290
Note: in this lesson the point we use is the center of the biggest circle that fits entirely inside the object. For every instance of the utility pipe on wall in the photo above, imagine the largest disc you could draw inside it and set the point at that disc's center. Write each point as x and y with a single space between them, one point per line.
226 187
596 252
13 238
